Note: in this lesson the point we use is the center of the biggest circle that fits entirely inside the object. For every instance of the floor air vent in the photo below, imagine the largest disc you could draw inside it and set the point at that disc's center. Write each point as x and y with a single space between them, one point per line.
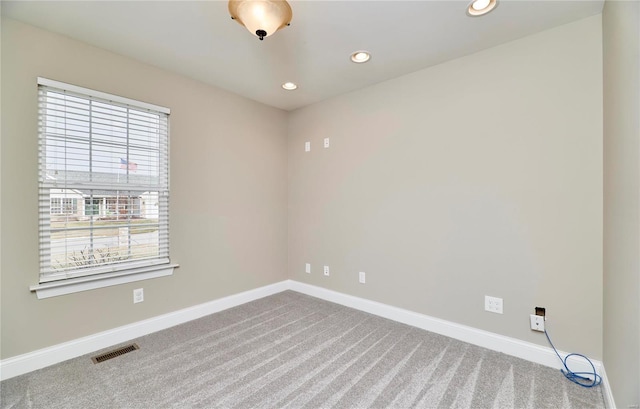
115 353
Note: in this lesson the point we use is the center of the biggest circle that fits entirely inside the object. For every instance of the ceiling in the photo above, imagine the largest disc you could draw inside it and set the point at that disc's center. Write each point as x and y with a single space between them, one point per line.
198 39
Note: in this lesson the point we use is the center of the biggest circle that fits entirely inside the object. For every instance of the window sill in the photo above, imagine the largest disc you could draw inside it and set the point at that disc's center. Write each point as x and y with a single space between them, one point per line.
75 285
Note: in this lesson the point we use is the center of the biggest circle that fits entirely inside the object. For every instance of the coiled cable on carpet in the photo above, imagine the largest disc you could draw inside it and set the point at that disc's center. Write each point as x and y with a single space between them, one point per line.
581 378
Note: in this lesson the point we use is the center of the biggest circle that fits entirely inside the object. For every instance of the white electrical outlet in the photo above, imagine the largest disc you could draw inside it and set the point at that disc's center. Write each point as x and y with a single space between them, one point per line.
326 270
307 268
138 295
493 304
307 146
537 322
326 142
362 277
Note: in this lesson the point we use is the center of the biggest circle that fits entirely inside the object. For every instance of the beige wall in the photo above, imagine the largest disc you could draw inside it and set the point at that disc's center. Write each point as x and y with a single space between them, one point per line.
0 185
482 175
621 31
228 191
479 176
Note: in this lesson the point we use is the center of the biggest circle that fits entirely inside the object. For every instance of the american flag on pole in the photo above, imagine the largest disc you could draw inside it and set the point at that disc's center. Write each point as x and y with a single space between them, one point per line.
127 164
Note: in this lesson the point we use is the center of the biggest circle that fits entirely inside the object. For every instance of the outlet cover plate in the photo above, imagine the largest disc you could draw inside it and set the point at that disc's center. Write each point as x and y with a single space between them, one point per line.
138 295
537 322
307 268
326 270
362 277
493 304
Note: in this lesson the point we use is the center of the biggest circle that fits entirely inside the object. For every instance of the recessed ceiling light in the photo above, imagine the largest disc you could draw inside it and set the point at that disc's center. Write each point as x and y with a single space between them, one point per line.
360 56
289 86
481 7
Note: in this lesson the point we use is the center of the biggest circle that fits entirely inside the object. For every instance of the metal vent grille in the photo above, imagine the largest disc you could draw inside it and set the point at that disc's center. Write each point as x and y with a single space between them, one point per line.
115 353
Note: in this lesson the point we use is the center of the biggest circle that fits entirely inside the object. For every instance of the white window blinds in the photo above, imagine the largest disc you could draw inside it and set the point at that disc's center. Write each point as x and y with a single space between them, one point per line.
104 182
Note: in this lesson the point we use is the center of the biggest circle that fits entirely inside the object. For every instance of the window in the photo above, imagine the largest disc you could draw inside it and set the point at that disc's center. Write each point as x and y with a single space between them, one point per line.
63 206
108 153
91 207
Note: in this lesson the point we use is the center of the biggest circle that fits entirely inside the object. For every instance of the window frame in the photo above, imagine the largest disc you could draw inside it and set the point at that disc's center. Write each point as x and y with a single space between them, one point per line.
110 274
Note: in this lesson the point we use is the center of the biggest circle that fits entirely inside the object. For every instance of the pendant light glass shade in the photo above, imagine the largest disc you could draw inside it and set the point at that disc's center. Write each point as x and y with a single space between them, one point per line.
261 17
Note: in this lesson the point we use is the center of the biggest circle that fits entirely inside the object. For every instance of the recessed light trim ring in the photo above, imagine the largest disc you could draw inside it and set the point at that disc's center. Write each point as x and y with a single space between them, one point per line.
360 57
290 86
479 8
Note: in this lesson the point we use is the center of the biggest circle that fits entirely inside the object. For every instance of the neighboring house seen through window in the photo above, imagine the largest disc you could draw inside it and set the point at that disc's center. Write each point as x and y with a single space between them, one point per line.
104 184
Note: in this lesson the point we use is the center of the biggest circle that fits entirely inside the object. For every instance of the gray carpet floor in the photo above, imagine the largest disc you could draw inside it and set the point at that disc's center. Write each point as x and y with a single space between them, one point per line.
290 350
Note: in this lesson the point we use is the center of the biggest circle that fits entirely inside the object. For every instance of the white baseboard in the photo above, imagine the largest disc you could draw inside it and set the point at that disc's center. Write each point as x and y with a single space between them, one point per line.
609 402
41 358
31 361
510 346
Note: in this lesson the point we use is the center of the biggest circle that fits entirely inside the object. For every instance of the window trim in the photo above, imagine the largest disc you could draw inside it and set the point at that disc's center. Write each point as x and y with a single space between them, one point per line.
103 95
91 282
46 289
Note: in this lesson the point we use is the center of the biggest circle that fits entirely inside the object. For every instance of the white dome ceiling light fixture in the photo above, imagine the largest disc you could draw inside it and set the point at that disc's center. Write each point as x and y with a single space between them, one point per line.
360 57
481 7
261 17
